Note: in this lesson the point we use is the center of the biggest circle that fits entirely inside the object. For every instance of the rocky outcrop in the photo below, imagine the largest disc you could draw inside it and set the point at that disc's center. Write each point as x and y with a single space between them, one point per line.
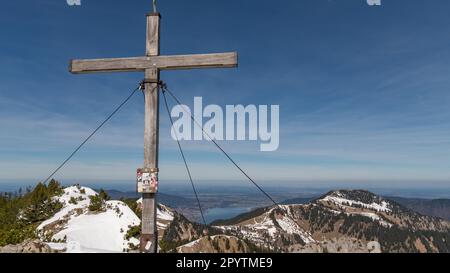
215 244
339 245
29 246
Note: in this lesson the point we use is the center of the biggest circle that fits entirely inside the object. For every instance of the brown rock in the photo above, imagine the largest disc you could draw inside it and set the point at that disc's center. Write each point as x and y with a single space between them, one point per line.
29 246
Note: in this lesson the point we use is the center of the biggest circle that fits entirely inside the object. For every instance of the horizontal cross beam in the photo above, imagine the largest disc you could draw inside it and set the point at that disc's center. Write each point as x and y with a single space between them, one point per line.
175 62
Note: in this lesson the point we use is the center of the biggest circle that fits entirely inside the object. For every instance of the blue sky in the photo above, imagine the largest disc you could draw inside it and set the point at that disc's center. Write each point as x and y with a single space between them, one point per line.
363 91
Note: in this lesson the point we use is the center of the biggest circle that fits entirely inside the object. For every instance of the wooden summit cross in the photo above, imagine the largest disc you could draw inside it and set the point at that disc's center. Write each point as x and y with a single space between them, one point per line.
151 64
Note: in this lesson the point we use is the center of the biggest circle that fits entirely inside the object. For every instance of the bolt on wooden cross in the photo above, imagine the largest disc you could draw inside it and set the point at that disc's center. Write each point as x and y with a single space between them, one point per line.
151 64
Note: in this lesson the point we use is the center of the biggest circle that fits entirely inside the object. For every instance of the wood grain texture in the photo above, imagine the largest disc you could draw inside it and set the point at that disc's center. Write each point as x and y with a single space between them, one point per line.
197 61
133 64
151 126
136 64
149 231
151 147
152 41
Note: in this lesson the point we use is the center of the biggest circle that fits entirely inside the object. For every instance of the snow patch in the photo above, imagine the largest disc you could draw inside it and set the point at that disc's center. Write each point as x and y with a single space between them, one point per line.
343 202
163 213
257 230
102 231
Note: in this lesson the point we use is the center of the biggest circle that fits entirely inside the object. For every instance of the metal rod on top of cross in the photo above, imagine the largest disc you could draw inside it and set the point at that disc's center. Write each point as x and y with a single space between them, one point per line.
154 7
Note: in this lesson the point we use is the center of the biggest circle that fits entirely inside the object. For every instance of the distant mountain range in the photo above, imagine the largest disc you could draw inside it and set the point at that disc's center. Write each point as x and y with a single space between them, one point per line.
429 207
340 221
434 207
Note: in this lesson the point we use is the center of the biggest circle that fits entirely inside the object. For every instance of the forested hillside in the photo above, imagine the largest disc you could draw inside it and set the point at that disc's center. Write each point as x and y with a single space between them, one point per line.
21 212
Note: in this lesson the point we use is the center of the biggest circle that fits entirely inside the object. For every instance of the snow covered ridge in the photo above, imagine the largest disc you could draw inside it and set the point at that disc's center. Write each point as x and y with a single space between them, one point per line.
358 202
361 199
269 225
77 229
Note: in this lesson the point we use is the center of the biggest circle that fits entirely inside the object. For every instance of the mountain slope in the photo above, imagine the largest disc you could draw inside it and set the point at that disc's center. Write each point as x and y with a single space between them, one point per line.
215 244
434 207
82 220
358 219
112 227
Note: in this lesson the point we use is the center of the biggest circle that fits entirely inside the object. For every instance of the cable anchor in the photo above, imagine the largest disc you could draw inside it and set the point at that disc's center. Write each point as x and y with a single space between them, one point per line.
160 83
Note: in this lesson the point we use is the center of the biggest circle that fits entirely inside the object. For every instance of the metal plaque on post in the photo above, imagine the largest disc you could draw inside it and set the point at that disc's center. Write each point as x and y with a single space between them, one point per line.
147 181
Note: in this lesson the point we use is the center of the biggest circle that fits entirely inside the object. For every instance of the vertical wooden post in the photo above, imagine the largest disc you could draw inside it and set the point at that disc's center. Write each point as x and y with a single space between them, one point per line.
149 231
